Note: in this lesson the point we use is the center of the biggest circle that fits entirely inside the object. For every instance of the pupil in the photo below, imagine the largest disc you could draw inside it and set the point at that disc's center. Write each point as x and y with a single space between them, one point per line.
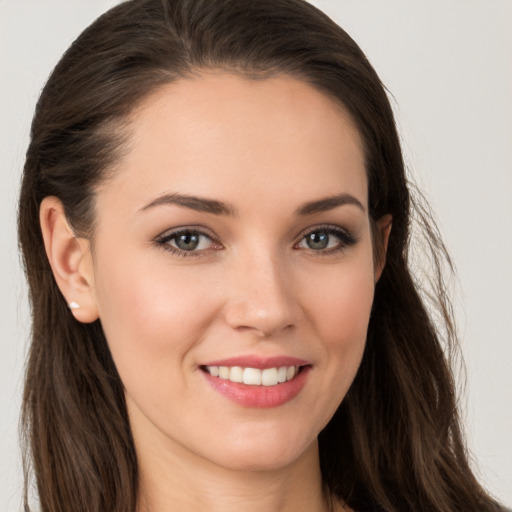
187 241
318 240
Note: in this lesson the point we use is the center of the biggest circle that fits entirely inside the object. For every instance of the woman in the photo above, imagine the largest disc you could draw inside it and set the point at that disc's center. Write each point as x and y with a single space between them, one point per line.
214 221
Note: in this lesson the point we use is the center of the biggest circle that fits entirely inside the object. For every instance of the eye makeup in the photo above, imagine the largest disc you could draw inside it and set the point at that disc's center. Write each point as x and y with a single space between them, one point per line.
325 240
194 241
186 242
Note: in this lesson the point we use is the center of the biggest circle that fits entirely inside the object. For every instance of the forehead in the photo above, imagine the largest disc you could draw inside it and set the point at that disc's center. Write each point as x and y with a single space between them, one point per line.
222 134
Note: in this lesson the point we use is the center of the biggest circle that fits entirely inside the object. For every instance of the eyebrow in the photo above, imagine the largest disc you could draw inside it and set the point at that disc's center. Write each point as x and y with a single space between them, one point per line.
215 207
328 203
200 204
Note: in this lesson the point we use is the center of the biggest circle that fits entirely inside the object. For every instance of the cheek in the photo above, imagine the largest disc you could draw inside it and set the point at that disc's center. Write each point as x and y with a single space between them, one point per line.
340 314
151 316
348 314
343 304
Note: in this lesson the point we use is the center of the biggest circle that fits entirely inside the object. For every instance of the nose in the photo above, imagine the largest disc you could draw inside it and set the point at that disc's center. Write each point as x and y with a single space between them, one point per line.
262 296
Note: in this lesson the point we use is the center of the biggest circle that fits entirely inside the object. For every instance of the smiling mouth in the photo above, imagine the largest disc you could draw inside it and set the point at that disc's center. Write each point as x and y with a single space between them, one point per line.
254 376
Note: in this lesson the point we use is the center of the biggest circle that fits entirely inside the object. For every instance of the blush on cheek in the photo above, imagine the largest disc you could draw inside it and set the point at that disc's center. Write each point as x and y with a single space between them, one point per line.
345 314
348 302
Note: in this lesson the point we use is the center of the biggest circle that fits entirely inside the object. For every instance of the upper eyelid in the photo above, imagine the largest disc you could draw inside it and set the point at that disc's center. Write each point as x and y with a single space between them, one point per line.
165 241
346 238
325 227
201 230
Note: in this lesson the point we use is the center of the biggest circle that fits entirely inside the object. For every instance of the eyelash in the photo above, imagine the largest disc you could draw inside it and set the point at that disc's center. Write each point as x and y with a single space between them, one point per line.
163 242
346 240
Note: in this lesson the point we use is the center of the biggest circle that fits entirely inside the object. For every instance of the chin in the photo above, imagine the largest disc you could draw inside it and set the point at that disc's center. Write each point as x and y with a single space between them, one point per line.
273 452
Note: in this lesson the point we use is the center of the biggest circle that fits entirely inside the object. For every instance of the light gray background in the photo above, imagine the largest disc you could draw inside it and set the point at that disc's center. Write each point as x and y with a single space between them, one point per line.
448 64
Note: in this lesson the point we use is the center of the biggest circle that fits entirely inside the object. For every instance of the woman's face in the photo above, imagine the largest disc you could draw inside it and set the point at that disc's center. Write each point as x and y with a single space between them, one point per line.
233 243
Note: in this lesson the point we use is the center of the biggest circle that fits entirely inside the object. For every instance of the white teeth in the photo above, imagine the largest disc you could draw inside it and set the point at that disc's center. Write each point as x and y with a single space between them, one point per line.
290 372
269 377
236 374
254 376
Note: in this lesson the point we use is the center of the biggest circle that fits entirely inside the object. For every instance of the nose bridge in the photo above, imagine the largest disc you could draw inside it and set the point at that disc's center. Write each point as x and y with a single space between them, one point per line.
262 297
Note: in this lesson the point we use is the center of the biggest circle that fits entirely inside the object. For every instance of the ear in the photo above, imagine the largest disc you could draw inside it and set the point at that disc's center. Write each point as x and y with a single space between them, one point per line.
383 229
70 259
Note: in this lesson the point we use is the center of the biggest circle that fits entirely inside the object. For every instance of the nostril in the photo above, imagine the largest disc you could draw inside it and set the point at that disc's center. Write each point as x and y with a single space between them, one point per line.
265 321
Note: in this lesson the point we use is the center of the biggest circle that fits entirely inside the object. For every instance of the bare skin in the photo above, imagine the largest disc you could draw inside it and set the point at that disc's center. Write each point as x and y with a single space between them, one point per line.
256 265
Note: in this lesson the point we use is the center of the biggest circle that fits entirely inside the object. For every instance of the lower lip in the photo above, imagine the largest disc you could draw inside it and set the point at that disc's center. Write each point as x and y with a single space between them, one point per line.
259 396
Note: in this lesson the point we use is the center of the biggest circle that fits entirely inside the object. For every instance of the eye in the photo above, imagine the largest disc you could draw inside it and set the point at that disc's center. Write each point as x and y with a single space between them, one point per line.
187 242
190 241
326 239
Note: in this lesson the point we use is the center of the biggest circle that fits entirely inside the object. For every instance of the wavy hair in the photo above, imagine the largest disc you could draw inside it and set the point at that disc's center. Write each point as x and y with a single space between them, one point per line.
395 442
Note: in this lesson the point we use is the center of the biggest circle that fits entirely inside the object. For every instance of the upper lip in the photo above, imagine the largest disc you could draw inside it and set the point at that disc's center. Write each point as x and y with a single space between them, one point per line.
254 361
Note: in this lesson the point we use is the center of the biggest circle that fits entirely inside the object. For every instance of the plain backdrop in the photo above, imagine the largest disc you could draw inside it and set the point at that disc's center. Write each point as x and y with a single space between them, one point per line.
448 66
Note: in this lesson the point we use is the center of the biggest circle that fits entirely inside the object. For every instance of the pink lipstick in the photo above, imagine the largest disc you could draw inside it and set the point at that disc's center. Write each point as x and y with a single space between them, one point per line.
253 381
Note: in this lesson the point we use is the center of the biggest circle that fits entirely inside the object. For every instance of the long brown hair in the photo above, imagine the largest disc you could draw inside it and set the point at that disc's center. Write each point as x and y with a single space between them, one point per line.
395 443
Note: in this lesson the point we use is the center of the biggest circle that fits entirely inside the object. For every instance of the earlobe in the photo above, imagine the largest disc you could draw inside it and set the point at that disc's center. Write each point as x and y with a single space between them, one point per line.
70 259
383 231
